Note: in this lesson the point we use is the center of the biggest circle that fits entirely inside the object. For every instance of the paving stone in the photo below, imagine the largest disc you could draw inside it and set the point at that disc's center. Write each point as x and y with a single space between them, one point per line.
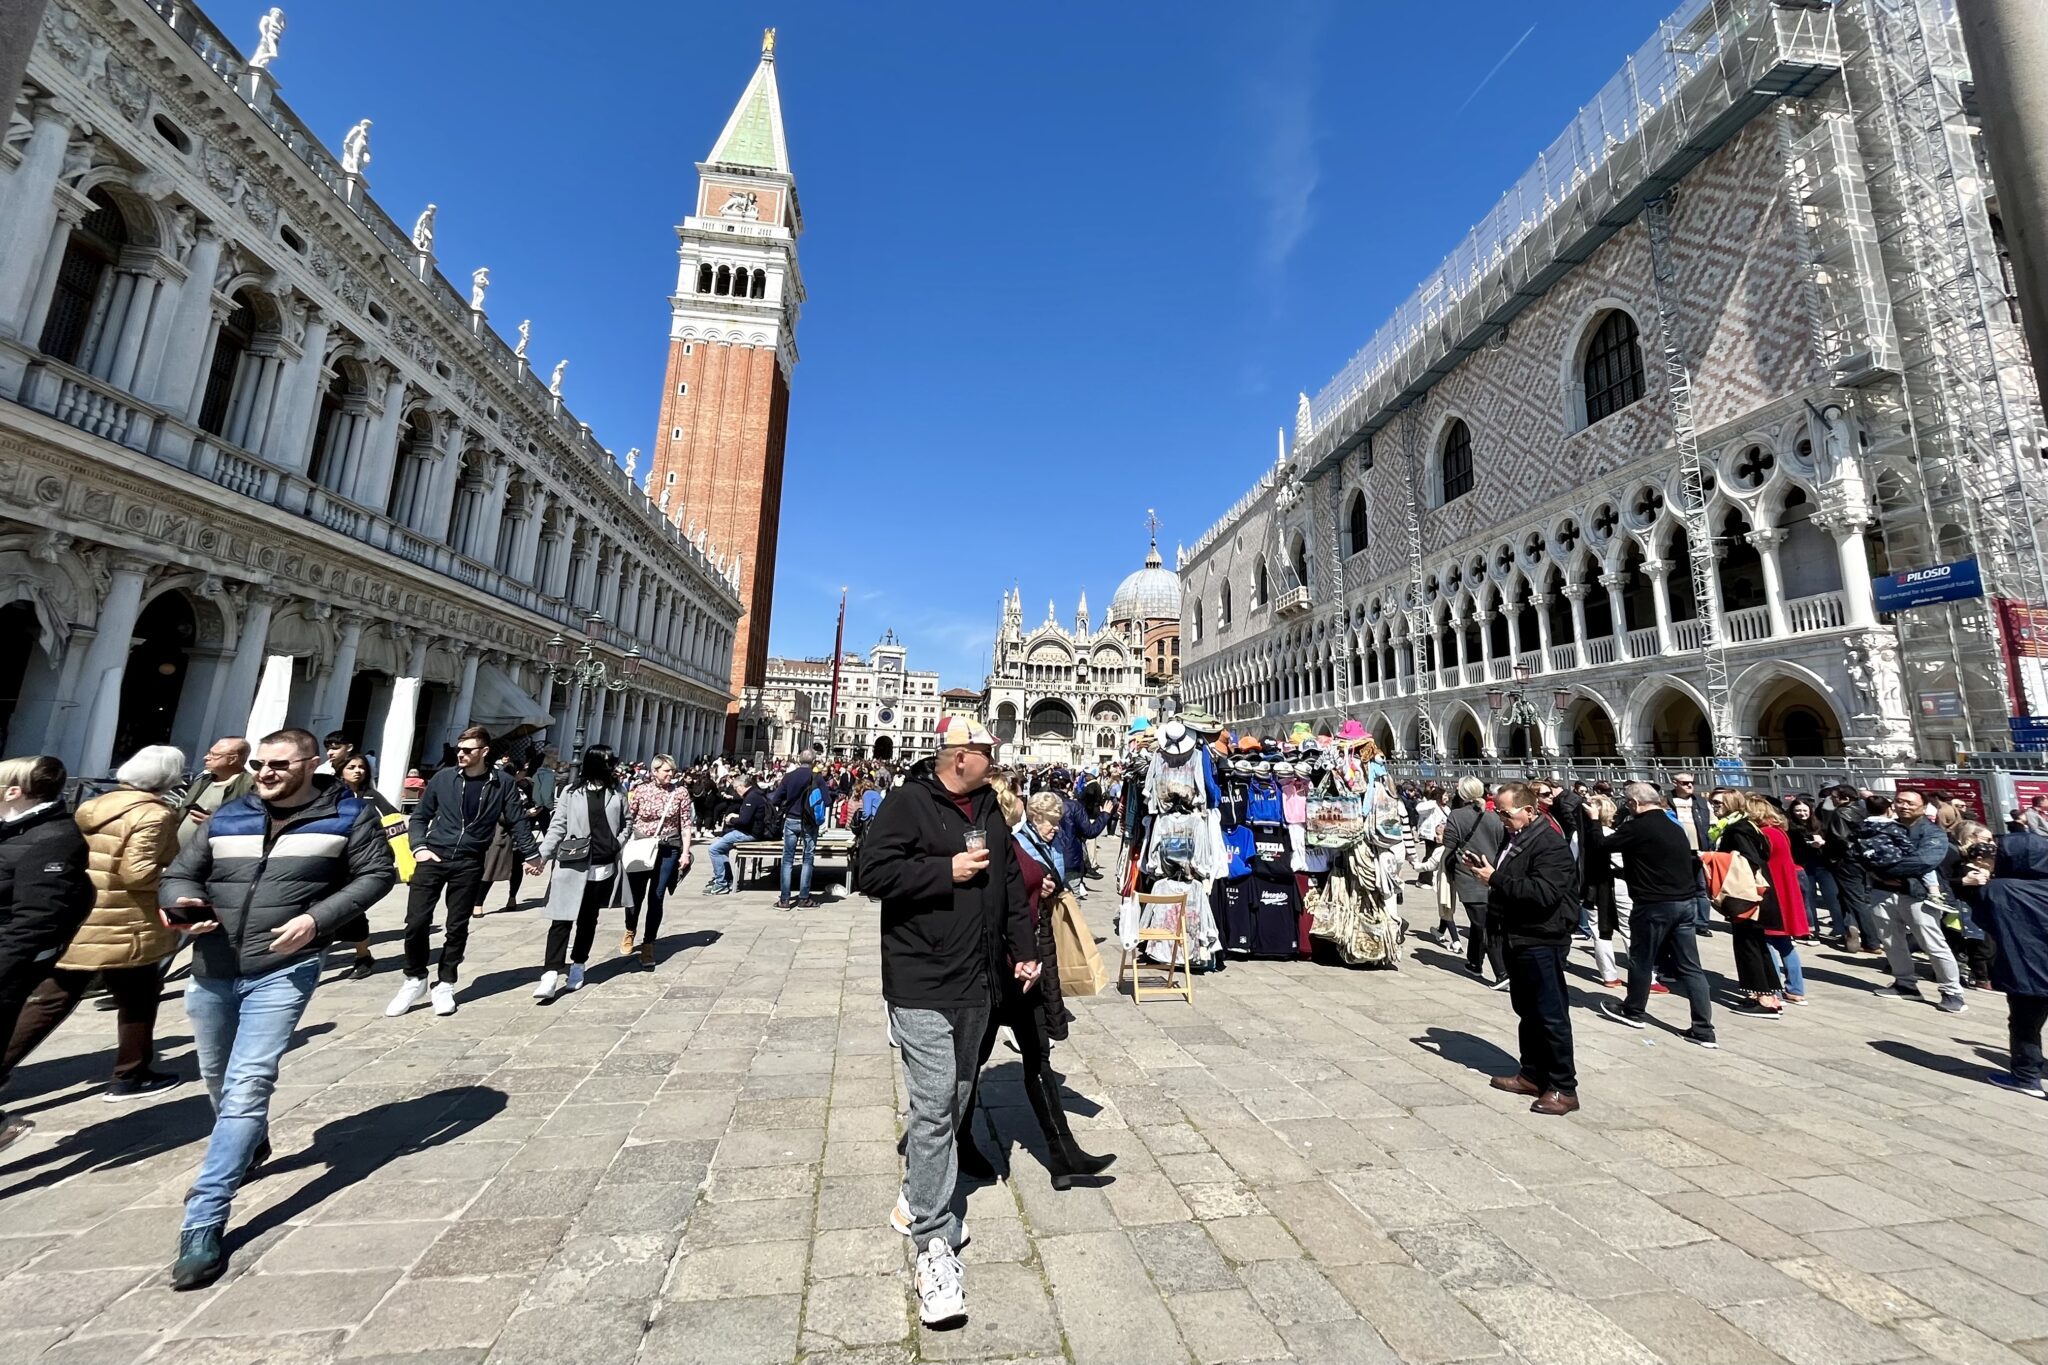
1336 1343
535 1194
1988 1307
571 1334
864 1311
1681 1329
292 1348
1329 1229
351 1246
1717 1274
861 1251
1109 1310
504 1246
1622 1217
752 1331
1225 1325
1816 1331
1008 1316
1567 1254
254 1305
743 1269
1182 1259
1863 1294
1413 1314
1259 1237
636 1208
1554 1329
1294 1291
595 1267
756 1220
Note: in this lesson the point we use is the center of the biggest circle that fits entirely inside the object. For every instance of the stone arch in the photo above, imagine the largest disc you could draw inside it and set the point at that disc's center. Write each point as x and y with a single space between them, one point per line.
1589 726
1462 734
1654 722
1767 699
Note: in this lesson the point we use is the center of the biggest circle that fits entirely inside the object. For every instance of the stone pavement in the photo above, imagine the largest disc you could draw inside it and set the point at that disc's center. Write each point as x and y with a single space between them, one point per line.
695 1164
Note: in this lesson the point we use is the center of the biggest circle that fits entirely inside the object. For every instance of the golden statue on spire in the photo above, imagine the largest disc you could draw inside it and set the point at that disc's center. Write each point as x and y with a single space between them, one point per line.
768 44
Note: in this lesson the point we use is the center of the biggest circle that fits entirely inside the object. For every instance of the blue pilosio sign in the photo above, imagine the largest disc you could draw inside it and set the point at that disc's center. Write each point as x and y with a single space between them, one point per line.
1925 587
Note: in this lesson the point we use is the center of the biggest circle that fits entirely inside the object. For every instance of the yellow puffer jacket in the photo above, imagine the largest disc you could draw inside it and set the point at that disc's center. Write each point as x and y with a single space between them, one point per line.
130 838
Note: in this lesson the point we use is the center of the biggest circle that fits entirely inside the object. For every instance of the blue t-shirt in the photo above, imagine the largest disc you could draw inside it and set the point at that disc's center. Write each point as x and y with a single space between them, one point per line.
1237 840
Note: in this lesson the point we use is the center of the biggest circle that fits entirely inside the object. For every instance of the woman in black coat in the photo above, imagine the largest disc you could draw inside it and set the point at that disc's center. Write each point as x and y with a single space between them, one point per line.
1754 970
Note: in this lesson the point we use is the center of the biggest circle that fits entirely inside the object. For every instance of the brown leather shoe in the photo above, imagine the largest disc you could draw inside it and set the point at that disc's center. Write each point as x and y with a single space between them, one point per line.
1556 1102
1517 1084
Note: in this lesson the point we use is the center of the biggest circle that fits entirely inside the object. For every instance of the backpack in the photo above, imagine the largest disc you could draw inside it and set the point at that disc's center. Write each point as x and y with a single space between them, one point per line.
1881 845
814 808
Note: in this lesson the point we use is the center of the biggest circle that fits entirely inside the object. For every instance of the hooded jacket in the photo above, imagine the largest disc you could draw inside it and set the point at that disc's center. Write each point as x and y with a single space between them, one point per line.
328 859
130 838
1071 839
2012 909
44 890
944 946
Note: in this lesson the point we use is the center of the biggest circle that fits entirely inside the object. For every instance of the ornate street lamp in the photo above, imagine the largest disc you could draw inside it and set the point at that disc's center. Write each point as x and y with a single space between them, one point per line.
1513 706
579 666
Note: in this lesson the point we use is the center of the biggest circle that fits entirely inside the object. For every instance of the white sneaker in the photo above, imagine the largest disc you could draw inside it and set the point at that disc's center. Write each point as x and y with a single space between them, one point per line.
941 1287
899 1219
550 986
444 997
575 976
410 992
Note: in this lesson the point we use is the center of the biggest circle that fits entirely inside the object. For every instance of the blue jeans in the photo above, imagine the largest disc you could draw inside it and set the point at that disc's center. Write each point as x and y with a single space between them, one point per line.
1827 896
1788 964
1661 932
795 832
721 856
241 1026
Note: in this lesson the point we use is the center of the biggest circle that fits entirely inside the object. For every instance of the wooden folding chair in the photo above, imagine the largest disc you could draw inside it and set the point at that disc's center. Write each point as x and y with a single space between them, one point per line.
1134 963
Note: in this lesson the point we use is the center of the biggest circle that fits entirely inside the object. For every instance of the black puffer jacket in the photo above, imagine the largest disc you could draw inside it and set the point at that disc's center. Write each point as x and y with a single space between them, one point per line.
328 859
45 893
944 946
1535 889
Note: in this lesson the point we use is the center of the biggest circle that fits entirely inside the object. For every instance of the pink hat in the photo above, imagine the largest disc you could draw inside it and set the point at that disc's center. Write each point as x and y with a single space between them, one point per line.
1351 730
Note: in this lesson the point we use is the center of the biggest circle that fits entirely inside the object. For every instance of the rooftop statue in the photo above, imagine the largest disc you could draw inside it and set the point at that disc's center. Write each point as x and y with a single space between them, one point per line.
268 30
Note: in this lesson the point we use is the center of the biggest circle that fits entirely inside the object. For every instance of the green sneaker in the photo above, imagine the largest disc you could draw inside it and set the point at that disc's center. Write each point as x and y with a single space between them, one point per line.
200 1259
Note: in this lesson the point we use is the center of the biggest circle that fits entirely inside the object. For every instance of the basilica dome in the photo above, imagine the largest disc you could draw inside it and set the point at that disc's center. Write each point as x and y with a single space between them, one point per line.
1150 594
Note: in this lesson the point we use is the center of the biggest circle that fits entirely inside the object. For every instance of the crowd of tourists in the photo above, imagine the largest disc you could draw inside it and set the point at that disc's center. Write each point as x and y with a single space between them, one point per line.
1893 876
269 858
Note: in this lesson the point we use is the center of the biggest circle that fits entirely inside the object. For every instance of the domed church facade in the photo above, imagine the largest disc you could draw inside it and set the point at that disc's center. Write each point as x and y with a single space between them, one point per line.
1068 695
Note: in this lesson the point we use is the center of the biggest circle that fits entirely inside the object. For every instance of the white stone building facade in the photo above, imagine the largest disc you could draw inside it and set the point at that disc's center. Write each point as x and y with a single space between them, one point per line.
1492 497
260 463
1060 695
887 710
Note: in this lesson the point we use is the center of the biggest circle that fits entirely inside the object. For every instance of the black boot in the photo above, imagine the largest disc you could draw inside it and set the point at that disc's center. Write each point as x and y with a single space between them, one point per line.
1071 1160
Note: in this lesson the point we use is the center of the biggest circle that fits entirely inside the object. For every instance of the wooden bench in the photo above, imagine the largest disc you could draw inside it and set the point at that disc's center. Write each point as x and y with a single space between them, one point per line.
761 857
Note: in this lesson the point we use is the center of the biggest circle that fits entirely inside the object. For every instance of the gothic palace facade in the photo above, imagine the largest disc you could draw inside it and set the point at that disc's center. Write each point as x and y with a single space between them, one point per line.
261 463
1489 499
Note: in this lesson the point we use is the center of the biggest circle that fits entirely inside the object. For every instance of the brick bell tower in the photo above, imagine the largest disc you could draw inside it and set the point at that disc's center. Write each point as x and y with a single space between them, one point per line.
717 463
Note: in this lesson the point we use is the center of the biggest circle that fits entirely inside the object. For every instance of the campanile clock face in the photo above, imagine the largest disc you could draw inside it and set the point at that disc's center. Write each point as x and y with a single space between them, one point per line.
885 716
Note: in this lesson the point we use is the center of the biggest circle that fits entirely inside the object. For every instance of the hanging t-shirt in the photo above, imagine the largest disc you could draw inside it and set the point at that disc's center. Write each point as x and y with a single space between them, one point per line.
1231 903
1275 915
1232 806
1262 802
1272 852
1294 800
1238 843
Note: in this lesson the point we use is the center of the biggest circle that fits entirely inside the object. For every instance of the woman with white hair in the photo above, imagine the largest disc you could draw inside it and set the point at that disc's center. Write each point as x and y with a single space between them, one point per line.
131 835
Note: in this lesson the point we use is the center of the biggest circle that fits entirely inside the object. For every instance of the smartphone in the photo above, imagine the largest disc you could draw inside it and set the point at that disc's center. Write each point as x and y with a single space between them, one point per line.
1469 858
190 914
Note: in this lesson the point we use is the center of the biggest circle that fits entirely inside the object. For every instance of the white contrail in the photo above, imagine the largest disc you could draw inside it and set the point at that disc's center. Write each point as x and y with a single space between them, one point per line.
1495 72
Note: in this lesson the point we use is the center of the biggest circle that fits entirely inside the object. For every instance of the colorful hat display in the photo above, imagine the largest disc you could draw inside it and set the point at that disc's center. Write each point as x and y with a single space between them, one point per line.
1248 744
1176 740
1351 732
1301 732
1141 725
1200 721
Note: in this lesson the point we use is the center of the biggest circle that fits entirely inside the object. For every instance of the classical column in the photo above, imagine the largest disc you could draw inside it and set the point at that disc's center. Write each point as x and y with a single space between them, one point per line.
465 696
249 424
90 734
593 726
32 191
484 536
440 505
1482 618
1513 612
371 484
527 544
394 745
291 434
334 694
194 325
1660 596
247 667
546 697
1859 603
1617 611
1539 602
1767 539
1575 593
133 307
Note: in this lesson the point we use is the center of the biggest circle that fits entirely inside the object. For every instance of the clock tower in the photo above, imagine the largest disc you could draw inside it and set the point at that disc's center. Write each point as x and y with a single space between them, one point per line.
717 465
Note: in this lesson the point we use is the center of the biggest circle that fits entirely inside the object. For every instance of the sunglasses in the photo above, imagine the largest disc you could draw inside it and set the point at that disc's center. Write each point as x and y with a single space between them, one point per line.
469 748
275 765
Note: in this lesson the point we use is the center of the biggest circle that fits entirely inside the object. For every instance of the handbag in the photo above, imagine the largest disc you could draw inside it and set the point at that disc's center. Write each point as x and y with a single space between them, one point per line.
398 833
575 848
641 854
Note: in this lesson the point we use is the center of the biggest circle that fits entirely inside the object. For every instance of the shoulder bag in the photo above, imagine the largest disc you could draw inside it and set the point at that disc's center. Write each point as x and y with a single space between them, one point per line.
641 854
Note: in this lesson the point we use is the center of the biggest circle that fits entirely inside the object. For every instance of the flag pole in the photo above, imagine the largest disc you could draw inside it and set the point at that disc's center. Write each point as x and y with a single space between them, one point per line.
838 654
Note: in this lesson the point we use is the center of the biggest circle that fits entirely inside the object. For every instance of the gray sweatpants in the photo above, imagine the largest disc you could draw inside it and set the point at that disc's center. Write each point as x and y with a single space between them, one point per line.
941 1052
1907 920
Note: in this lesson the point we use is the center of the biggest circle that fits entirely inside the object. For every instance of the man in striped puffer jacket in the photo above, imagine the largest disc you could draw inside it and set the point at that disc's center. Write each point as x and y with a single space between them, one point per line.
261 888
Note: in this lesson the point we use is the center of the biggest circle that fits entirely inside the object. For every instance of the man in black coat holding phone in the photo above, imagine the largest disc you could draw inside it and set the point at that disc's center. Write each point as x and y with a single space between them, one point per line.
1535 893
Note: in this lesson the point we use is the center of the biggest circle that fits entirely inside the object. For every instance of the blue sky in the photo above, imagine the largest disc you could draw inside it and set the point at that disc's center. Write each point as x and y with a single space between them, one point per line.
1066 261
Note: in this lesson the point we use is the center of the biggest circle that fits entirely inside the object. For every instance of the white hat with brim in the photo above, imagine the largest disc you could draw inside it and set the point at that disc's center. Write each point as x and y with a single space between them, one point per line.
1176 740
